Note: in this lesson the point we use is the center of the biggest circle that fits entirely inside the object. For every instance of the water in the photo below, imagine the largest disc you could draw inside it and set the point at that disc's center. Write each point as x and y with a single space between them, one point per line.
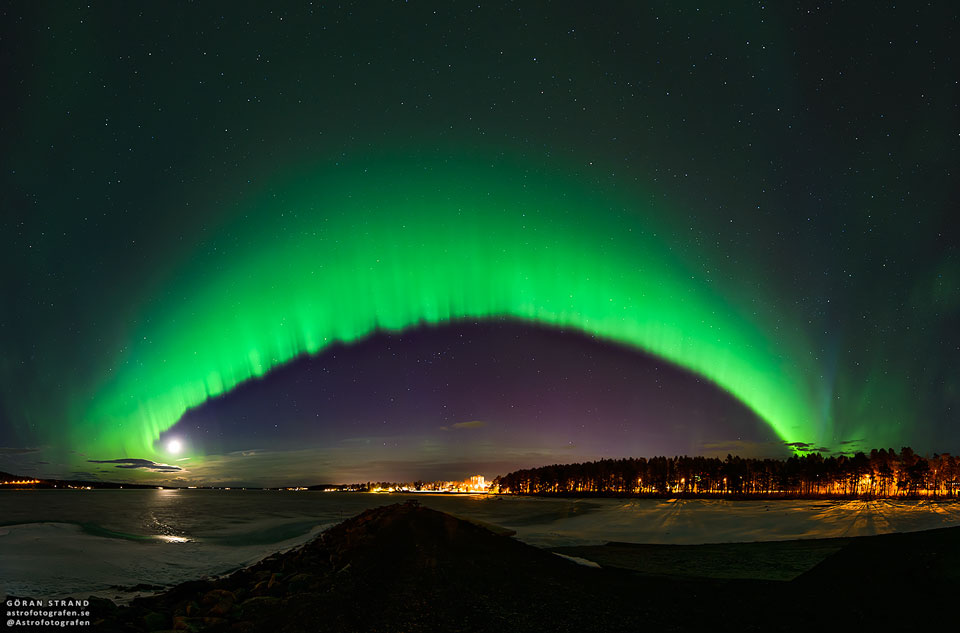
59 543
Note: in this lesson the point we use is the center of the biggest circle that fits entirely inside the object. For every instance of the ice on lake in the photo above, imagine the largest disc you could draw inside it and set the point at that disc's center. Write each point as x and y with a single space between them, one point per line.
56 543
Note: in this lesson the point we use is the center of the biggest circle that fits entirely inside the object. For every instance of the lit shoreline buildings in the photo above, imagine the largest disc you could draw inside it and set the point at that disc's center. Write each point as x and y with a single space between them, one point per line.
477 484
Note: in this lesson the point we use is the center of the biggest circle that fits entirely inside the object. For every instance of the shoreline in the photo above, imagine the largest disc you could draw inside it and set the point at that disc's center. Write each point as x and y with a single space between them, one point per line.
406 567
725 496
771 496
682 539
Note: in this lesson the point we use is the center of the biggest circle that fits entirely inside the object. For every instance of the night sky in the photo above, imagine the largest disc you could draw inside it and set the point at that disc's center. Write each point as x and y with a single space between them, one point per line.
311 242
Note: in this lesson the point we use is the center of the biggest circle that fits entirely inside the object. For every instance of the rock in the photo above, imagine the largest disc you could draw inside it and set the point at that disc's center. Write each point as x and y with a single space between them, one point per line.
102 607
219 602
221 609
155 621
185 623
215 596
274 579
210 622
300 583
261 608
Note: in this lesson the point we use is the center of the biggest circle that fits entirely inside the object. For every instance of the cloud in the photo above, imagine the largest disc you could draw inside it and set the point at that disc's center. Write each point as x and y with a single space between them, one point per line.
472 424
808 447
844 442
146 464
746 448
17 451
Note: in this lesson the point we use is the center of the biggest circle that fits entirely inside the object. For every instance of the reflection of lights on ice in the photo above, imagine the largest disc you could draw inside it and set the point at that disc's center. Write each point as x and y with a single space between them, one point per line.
173 539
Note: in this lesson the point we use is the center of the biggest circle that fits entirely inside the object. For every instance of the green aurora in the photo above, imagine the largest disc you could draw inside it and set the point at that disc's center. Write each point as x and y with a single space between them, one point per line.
346 250
192 196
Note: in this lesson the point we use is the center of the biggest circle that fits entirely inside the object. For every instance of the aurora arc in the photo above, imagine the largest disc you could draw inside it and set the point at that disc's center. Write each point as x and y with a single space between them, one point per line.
338 252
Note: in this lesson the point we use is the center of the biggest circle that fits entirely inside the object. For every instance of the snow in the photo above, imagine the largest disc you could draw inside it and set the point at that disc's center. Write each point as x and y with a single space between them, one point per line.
695 521
216 532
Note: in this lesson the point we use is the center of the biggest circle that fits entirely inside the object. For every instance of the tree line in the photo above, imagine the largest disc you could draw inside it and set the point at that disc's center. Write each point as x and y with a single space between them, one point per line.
881 473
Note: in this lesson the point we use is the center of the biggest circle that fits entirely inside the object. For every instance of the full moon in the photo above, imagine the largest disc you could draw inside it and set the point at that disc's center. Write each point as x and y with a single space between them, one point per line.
174 446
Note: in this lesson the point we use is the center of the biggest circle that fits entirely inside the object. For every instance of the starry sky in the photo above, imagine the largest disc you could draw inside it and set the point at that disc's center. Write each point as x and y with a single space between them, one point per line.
306 242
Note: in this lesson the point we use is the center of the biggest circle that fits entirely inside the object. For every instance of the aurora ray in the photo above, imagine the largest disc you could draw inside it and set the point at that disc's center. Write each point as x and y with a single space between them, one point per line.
394 244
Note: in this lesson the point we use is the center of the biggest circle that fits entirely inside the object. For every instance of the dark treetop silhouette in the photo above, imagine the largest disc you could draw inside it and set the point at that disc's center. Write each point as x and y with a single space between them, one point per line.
882 473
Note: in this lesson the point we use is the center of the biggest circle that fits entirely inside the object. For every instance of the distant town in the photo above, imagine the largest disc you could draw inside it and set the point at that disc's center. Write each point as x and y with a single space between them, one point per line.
473 485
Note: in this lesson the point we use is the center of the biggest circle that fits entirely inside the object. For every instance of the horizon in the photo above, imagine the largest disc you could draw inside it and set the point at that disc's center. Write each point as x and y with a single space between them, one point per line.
304 482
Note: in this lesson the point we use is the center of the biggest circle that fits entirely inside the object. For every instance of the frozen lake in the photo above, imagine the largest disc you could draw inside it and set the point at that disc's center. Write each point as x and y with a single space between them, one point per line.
58 543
